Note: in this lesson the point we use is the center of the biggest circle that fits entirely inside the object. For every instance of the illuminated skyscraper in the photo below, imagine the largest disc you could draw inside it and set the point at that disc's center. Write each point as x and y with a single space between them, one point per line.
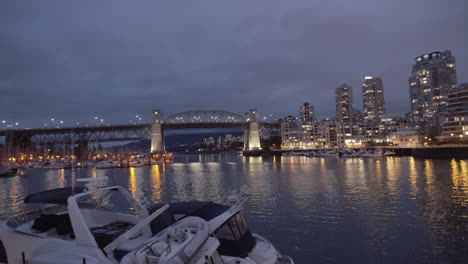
344 103
306 112
433 77
373 99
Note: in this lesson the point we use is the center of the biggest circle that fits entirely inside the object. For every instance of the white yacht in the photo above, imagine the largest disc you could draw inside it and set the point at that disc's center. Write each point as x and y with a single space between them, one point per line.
55 166
84 226
106 165
325 153
238 244
137 164
6 171
98 224
371 154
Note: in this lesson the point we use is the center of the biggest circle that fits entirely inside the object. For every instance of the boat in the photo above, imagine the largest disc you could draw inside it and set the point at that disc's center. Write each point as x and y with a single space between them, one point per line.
106 165
39 165
389 153
325 153
138 164
370 154
347 153
226 220
156 162
286 154
27 165
298 153
84 225
7 171
55 166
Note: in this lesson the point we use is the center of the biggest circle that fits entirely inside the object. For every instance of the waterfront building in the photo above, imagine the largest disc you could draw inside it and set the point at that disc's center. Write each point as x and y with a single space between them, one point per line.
407 137
456 121
296 134
373 99
348 135
390 123
306 112
369 133
344 103
432 78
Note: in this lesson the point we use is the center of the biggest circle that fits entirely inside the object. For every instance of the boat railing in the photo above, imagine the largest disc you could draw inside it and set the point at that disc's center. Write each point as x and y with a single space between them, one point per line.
18 220
283 259
237 198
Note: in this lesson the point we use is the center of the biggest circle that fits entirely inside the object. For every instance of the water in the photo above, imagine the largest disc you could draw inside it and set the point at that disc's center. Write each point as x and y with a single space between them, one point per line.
317 210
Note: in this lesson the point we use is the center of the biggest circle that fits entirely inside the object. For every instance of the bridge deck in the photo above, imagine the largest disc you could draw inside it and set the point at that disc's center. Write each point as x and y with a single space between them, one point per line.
115 128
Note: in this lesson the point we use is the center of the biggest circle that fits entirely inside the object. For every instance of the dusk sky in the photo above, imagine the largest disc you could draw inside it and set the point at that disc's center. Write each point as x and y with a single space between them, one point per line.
73 60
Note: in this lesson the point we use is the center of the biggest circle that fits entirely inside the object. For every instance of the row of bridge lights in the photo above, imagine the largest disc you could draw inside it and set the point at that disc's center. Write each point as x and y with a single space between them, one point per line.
100 121
215 117
4 124
199 118
53 123
138 120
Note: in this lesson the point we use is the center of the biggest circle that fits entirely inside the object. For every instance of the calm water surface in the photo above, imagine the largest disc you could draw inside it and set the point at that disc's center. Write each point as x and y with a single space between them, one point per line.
317 210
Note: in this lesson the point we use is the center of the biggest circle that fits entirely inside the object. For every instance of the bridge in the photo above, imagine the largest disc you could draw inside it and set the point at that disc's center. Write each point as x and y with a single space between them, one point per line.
27 140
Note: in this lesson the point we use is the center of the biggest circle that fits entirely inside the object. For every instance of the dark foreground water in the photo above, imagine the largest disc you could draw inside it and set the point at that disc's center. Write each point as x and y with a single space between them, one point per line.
317 210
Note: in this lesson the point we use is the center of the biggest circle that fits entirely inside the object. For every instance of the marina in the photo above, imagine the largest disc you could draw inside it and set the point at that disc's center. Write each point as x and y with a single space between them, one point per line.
386 210
233 132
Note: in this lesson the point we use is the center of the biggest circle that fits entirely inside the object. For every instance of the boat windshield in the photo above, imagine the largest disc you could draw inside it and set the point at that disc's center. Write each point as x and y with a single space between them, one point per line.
107 201
235 237
108 214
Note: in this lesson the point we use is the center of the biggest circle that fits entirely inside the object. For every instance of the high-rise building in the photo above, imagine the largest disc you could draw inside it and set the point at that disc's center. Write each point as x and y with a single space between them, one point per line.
433 77
344 103
373 99
306 112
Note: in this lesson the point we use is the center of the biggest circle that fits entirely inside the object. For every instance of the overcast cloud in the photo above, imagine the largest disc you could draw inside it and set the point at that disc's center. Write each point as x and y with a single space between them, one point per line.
74 60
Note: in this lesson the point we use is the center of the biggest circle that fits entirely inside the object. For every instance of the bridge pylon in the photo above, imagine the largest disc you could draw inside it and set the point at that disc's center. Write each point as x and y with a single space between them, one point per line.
252 133
157 133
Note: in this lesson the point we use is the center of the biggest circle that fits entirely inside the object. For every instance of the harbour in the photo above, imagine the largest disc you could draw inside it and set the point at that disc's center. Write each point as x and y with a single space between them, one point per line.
225 132
329 209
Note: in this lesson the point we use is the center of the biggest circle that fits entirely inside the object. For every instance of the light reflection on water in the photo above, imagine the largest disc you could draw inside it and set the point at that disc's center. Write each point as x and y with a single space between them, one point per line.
328 210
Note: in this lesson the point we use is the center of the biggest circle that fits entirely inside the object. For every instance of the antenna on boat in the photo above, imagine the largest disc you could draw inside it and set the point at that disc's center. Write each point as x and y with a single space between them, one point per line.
93 184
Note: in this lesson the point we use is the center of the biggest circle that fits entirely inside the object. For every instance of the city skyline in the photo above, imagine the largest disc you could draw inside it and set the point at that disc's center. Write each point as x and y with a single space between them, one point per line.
116 68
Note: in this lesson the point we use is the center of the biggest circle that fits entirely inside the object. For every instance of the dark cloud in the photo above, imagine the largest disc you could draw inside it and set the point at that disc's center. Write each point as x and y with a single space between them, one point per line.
74 60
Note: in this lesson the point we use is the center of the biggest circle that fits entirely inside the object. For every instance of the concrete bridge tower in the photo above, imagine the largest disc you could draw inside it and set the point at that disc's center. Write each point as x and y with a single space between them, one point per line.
252 133
157 135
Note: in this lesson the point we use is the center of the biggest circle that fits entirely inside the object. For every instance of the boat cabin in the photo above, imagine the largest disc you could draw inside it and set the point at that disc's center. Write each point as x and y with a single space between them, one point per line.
229 226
